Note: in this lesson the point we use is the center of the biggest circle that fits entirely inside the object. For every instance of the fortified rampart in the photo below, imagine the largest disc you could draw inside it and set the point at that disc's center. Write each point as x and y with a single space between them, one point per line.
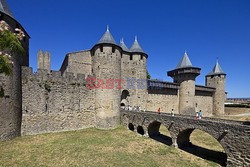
52 102
165 95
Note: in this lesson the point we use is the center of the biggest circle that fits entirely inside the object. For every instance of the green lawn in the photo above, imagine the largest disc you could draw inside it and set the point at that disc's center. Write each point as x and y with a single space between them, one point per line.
92 147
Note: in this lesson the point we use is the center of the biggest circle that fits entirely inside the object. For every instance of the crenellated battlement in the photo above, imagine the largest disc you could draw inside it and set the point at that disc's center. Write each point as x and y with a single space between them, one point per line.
55 76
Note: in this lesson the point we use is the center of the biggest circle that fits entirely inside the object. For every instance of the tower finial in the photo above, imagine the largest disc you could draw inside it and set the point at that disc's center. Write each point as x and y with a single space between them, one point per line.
121 41
136 38
107 37
185 52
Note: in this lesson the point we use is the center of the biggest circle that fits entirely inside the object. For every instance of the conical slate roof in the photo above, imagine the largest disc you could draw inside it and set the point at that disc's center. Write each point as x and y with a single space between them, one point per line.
4 8
185 62
123 46
107 37
217 69
136 46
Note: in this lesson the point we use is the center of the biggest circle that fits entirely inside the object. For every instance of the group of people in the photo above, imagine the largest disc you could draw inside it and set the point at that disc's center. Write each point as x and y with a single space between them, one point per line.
159 111
130 108
138 108
198 115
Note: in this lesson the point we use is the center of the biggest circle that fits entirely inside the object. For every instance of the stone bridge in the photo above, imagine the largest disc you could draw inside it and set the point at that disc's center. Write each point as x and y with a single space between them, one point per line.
234 136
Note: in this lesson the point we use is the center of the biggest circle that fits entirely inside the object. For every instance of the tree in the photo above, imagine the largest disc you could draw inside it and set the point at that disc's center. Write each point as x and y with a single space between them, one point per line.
10 44
148 75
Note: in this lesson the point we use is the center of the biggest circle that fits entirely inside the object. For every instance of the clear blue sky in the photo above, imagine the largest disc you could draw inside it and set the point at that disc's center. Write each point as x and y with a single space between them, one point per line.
207 29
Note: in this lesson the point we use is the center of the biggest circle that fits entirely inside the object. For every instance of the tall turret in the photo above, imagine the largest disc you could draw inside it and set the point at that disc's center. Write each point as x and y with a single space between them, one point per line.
217 79
43 60
123 46
106 60
185 74
139 67
11 103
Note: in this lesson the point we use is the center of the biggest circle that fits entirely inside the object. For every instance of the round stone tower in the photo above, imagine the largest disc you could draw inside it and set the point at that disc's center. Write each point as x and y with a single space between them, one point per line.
185 75
11 103
217 79
139 61
133 72
106 60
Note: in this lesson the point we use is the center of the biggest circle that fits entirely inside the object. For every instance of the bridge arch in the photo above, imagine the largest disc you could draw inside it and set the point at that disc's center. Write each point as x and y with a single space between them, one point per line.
140 130
154 132
184 142
131 127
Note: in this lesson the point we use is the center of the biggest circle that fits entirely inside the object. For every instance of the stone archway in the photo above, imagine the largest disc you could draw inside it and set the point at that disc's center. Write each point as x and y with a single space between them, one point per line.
184 143
140 130
125 94
155 132
131 127
124 98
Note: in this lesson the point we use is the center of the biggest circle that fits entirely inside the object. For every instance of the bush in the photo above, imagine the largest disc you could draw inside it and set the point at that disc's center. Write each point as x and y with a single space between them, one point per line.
237 105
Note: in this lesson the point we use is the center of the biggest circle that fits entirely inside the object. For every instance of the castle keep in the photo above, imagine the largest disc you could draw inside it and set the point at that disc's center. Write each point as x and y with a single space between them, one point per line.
52 101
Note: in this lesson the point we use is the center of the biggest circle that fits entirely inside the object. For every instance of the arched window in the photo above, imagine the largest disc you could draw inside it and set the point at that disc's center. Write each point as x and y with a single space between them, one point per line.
125 94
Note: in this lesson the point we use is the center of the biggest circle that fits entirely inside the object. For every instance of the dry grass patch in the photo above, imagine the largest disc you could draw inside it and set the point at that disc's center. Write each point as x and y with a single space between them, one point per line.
92 147
205 140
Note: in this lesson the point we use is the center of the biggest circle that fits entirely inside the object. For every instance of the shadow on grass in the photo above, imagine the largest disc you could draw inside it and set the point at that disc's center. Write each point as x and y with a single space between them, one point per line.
162 139
211 155
207 154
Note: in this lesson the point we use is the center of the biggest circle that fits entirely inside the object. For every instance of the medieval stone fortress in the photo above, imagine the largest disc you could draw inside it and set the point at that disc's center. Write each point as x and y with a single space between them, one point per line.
52 101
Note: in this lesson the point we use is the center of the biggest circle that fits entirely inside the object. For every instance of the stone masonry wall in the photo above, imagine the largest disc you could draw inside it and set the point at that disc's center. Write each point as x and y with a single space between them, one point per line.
134 66
10 104
79 63
219 97
165 102
107 66
205 104
236 110
53 103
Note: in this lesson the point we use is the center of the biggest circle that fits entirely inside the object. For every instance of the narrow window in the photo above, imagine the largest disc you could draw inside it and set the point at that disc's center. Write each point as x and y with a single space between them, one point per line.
131 57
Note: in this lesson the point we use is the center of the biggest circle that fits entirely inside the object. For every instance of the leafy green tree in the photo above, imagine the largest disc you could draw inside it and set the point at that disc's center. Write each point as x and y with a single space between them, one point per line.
10 44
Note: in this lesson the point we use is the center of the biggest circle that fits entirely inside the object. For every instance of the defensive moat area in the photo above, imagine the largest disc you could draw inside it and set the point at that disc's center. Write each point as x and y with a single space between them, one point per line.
92 147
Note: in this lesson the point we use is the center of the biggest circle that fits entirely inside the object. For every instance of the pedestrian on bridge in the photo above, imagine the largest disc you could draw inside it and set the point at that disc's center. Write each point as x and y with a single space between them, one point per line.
159 110
200 114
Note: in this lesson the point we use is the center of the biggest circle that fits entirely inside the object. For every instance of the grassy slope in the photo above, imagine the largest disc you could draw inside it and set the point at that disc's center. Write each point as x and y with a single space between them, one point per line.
92 147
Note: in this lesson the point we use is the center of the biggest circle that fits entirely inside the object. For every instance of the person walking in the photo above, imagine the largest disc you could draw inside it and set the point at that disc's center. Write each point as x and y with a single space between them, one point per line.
200 114
172 112
197 115
159 110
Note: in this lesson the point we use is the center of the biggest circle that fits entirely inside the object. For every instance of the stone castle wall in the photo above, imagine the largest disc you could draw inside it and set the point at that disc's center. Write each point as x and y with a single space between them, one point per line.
10 104
205 104
107 65
53 103
219 97
78 63
134 67
165 102
168 100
